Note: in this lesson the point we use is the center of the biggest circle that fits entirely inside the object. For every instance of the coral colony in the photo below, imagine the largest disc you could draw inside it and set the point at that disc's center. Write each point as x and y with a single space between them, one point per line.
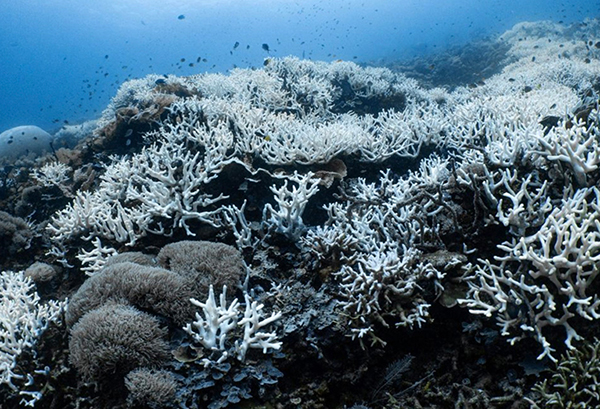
213 232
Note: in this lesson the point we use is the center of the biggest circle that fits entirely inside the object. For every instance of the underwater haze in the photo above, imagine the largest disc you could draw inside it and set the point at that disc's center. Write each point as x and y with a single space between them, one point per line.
62 60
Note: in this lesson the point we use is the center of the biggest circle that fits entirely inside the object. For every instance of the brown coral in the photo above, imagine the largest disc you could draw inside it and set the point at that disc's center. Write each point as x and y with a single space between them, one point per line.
151 289
115 339
204 263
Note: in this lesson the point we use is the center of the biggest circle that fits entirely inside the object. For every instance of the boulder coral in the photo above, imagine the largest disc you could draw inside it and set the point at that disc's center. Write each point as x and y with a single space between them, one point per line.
114 339
23 140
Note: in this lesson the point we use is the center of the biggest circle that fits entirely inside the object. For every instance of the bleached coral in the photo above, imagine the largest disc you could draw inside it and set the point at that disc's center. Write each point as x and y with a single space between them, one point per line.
577 146
23 319
163 182
52 174
374 233
499 154
287 218
544 279
384 285
520 203
95 259
224 331
241 118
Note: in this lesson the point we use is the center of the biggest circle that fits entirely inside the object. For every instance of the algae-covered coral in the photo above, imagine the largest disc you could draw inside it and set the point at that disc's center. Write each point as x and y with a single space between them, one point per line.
355 218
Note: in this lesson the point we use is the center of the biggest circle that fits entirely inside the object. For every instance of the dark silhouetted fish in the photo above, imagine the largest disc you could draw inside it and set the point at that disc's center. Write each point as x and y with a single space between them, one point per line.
265 47
181 17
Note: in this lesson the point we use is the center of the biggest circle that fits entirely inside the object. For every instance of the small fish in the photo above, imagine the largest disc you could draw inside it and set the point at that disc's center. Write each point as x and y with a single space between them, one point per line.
181 17
236 45
106 56
182 60
198 59
265 47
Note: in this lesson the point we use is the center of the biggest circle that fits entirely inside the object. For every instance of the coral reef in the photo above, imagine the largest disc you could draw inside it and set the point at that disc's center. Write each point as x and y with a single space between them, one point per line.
309 234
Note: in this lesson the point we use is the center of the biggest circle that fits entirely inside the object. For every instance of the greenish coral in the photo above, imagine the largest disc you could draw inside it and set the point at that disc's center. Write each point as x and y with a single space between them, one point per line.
575 383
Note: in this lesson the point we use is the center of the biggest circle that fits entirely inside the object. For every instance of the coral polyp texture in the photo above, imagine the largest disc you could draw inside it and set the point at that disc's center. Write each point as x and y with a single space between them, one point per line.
281 235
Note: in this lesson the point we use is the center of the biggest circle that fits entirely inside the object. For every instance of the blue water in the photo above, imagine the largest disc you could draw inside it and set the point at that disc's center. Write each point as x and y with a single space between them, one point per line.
62 60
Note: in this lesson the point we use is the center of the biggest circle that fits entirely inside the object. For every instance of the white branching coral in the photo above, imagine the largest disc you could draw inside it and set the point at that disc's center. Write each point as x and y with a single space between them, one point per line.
511 151
235 219
52 174
373 233
521 203
544 279
164 182
384 285
577 146
23 319
287 218
224 331
95 259
249 115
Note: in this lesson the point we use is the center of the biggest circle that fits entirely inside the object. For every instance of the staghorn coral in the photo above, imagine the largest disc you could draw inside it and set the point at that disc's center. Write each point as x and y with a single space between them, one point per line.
23 319
574 381
218 324
126 311
476 173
